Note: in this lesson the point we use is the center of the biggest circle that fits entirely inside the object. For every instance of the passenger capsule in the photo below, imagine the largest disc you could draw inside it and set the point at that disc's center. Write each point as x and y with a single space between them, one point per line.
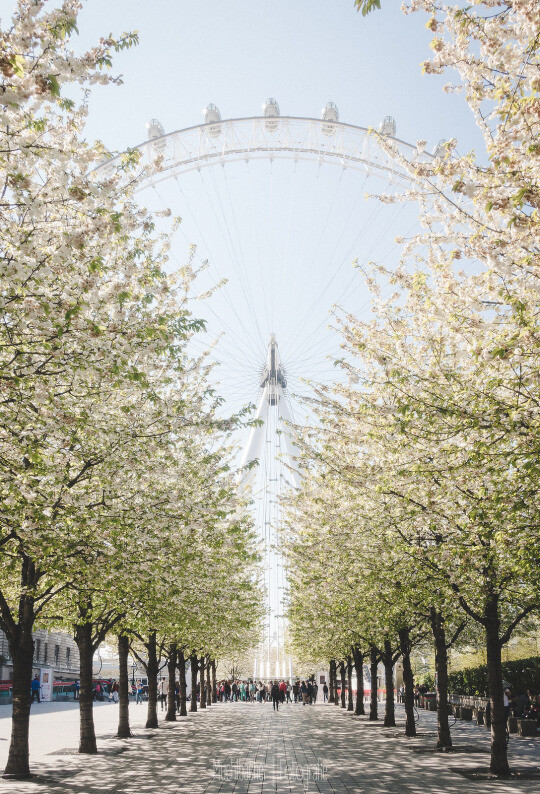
440 150
270 110
155 133
330 113
213 116
388 127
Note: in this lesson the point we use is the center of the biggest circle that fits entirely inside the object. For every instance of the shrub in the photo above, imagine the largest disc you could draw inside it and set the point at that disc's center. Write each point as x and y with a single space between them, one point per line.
521 674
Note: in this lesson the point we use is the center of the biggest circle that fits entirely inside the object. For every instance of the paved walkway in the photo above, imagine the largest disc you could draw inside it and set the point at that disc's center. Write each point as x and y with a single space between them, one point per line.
249 749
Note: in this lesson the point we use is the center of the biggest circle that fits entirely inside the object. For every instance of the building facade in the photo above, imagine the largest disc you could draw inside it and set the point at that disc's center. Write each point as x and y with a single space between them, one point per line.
56 650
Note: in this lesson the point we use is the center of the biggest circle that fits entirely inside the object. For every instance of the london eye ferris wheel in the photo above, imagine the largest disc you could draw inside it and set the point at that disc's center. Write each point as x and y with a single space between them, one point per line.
278 208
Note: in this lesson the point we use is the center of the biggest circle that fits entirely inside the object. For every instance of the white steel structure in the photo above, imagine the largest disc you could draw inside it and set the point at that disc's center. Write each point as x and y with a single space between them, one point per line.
270 137
271 447
325 140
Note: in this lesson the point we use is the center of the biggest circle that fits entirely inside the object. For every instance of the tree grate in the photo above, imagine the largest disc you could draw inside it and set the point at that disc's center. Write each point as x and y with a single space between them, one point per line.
484 773
458 748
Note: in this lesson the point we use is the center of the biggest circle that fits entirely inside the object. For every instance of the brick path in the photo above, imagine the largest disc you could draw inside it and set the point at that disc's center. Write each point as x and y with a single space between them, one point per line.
248 749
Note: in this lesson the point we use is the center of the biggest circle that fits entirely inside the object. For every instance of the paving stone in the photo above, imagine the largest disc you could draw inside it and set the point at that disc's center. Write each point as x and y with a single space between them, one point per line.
249 749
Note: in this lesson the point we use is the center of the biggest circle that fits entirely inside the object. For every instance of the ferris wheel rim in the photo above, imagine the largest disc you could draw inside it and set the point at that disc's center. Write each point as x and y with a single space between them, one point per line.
268 149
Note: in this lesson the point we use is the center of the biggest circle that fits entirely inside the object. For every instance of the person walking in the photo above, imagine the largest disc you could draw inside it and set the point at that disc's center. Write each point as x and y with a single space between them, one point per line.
296 691
139 689
275 694
303 693
114 690
163 692
288 692
309 693
325 692
315 692
282 691
76 688
35 688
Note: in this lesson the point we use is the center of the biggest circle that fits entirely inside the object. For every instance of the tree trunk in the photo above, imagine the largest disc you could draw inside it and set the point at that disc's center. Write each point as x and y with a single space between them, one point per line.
208 683
152 671
124 730
171 697
214 686
21 648
388 661
332 683
373 665
408 681
83 638
350 704
342 675
359 667
499 751
202 696
194 665
182 682
444 738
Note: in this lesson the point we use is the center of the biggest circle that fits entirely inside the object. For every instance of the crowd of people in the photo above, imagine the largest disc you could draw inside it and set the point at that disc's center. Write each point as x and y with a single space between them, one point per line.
276 692
524 706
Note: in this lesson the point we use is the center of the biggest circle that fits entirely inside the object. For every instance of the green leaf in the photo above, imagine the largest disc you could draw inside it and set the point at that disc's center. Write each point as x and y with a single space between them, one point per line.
54 85
367 6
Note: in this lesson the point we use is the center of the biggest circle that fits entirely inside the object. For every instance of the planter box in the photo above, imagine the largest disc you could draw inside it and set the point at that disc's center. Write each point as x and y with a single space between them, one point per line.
466 713
527 728
512 725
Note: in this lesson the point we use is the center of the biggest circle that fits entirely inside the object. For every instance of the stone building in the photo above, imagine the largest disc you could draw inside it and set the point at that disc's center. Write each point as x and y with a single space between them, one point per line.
51 649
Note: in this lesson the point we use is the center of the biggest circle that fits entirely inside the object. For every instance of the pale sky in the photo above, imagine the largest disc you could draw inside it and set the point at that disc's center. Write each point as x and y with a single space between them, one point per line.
285 237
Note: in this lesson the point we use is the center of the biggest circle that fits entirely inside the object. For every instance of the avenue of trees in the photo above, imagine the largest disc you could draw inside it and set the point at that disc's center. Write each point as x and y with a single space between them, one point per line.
119 514
419 511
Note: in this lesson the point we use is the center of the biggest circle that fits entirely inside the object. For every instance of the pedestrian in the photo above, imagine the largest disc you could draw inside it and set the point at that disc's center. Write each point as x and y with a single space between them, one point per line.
315 692
507 697
76 687
296 691
114 689
288 693
275 694
139 689
177 695
227 690
282 691
309 687
262 692
35 688
303 693
163 691
325 692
